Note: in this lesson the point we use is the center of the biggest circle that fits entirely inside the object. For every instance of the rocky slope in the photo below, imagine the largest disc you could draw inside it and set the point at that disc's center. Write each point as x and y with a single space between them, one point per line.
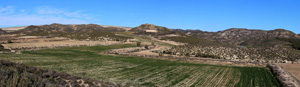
246 45
263 55
81 32
16 75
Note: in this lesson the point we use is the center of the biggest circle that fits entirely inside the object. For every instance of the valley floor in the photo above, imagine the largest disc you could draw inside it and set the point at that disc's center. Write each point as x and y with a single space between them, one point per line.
88 62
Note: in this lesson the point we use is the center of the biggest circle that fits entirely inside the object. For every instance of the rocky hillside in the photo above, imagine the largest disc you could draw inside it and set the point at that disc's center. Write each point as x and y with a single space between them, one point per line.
242 45
19 75
265 55
81 32
246 37
150 29
2 31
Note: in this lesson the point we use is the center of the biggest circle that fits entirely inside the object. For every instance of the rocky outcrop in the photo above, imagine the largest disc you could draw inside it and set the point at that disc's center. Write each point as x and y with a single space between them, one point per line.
286 78
16 75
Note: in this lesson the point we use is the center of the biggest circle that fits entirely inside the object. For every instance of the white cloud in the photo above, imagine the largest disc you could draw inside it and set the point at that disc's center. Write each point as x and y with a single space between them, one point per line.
6 10
41 15
61 12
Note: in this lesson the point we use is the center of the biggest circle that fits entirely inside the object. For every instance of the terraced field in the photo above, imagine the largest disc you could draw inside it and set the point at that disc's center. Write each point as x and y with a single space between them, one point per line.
88 62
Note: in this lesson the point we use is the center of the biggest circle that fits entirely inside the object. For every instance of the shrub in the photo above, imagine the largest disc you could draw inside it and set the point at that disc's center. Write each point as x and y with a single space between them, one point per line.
1 47
152 44
146 46
9 41
138 43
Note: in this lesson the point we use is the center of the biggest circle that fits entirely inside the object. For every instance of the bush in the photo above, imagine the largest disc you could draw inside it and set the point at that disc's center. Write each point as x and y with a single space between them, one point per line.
152 44
138 43
160 54
9 41
1 47
146 46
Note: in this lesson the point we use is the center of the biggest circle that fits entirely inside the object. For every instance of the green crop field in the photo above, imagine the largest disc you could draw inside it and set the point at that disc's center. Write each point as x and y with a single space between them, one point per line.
89 62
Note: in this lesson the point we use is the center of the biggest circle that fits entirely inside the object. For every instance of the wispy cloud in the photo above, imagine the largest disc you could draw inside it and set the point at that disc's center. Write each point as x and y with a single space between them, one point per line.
41 15
6 10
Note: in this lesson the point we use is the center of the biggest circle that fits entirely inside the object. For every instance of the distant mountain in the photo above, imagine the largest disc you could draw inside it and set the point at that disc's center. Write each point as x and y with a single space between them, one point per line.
150 29
81 32
242 36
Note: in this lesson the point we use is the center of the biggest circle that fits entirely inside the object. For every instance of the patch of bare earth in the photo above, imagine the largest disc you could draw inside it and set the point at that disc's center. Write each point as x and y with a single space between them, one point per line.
294 69
53 44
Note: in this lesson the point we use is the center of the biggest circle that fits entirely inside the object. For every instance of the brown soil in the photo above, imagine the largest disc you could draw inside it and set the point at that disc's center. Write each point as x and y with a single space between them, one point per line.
294 69
58 43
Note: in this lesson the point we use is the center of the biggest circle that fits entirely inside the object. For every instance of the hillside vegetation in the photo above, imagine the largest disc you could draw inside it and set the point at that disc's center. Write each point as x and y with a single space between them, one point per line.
19 75
239 45
295 43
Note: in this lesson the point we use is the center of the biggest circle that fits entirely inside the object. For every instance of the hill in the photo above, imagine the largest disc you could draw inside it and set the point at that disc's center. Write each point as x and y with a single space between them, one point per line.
245 37
80 32
150 29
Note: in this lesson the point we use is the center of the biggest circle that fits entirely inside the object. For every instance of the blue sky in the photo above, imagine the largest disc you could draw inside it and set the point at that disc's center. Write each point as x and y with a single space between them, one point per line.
207 15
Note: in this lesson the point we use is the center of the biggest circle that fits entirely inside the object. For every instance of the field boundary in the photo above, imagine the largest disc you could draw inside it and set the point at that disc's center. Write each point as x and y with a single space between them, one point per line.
170 57
284 77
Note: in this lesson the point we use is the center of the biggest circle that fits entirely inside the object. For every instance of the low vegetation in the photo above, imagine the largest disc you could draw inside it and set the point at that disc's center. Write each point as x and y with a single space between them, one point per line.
265 55
19 75
295 43
89 62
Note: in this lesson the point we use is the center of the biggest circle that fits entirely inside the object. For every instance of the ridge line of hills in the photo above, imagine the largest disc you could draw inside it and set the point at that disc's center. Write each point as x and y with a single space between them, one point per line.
256 44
